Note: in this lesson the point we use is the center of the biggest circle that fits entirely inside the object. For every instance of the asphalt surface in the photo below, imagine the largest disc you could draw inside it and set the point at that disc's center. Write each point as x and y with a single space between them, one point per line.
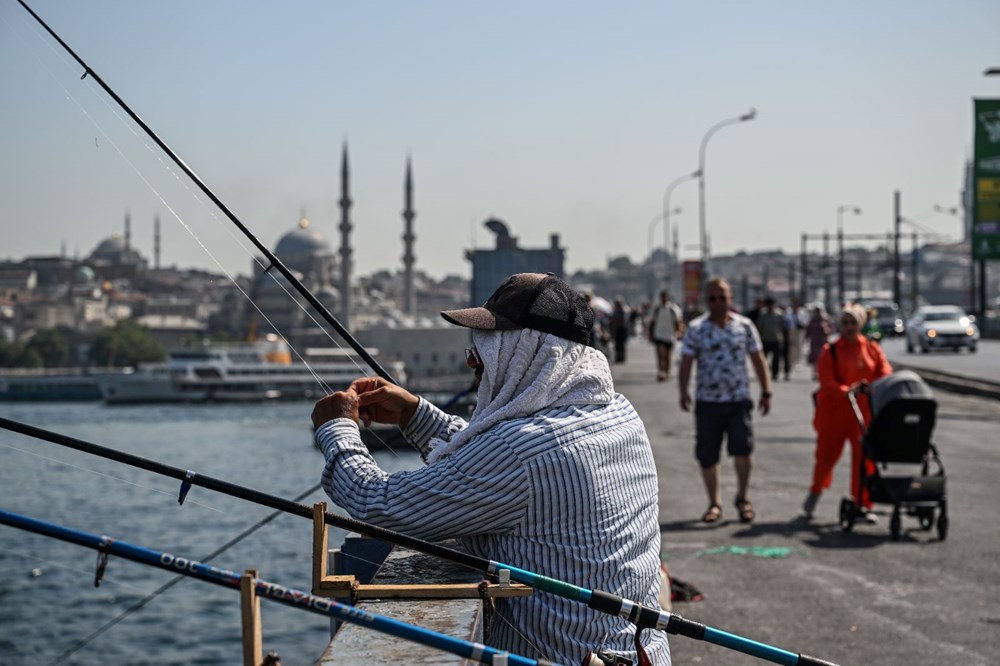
856 598
984 364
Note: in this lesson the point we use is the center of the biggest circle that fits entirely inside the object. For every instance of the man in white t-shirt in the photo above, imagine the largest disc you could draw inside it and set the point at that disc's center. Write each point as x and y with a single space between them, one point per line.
720 342
666 324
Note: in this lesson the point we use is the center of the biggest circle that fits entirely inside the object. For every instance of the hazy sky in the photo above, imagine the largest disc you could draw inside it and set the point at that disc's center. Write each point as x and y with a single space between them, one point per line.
558 117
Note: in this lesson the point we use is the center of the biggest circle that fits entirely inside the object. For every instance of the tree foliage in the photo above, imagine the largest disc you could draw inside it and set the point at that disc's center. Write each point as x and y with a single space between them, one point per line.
127 343
47 348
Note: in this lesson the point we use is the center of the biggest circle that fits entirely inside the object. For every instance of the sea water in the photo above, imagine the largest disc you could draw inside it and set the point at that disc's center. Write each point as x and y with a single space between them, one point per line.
48 601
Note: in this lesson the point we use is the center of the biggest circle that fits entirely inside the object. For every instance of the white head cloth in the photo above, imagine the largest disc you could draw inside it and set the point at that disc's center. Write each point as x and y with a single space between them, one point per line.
526 371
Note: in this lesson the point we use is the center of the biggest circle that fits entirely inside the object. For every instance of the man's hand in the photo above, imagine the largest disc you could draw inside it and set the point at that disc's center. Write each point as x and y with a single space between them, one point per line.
339 405
380 401
765 404
685 401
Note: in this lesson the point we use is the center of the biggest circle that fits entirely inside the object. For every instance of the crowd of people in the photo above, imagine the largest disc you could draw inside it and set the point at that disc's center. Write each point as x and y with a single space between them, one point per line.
774 340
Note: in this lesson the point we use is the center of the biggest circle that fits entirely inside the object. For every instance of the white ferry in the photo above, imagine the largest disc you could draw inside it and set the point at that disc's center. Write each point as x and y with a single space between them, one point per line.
239 372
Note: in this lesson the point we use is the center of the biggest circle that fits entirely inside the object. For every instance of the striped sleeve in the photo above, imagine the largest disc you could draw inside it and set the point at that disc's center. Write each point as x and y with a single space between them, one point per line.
480 489
429 422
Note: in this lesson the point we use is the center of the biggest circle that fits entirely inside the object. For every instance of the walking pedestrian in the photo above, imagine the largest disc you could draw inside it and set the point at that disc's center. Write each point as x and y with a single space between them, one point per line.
666 324
795 323
849 364
721 341
817 333
771 326
619 328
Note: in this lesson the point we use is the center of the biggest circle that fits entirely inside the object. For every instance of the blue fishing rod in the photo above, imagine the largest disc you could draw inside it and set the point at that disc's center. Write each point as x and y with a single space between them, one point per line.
641 616
284 595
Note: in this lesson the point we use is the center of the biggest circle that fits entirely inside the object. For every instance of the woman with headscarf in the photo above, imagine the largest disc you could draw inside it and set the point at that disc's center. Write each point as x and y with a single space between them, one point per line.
847 364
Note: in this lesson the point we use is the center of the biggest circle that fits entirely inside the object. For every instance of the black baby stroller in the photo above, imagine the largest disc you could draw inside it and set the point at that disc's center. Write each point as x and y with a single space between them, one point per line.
903 413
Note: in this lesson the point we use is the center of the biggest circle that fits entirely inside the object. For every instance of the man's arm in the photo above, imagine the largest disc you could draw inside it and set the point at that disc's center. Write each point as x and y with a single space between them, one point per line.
479 489
684 377
764 377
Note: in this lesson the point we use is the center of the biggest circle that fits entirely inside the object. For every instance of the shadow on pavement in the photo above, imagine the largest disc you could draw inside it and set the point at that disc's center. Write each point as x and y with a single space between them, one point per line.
829 535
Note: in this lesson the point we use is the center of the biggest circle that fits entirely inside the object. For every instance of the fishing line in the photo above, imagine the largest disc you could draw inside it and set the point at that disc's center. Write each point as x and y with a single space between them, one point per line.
110 476
183 182
173 581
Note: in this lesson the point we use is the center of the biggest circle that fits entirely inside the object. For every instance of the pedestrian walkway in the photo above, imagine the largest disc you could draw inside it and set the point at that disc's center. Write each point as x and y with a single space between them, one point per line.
807 586
741 569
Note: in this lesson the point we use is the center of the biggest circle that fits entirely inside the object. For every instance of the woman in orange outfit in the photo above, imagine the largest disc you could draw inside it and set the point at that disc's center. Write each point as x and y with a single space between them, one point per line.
858 362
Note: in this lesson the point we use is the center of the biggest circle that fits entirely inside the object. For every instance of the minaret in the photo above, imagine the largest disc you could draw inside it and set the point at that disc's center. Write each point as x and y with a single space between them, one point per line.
409 298
345 240
156 242
128 237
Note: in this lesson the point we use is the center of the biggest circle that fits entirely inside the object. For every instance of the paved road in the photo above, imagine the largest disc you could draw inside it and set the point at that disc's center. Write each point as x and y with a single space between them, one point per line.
850 598
984 364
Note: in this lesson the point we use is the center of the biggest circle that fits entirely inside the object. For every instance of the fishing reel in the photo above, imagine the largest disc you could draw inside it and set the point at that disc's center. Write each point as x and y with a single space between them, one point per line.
605 657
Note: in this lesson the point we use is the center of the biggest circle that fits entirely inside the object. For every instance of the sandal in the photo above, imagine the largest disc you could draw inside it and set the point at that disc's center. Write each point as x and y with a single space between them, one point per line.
713 514
745 508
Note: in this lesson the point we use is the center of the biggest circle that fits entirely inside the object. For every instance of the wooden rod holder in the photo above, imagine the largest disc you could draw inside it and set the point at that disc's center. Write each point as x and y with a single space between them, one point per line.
253 648
348 587
323 583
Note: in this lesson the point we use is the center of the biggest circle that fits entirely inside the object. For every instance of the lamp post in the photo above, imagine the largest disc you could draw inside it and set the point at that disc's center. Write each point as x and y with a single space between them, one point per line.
750 115
667 213
841 289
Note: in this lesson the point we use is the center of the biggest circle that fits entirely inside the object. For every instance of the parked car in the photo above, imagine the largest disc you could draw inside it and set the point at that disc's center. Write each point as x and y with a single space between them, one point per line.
941 327
888 316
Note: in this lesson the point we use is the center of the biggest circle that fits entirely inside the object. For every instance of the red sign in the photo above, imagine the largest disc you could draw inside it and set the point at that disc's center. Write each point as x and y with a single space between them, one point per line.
692 282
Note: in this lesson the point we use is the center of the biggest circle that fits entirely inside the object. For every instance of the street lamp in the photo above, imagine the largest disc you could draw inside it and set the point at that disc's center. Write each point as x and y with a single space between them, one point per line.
667 213
703 231
840 248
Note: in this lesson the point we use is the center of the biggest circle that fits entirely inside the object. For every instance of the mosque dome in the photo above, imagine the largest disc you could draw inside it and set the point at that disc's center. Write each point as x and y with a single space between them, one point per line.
85 274
302 244
111 249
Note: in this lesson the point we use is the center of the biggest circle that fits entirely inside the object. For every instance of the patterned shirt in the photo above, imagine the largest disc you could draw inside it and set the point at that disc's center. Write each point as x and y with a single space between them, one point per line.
722 354
569 492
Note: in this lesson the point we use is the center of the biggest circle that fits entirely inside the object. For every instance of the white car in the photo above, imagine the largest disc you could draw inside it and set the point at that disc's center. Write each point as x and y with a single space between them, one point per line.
941 327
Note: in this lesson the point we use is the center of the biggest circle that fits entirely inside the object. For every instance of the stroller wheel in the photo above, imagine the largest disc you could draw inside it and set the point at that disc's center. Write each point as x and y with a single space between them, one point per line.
942 522
926 517
848 513
895 524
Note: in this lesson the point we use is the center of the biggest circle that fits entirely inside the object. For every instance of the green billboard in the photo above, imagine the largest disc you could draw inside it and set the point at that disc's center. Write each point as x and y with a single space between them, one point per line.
986 180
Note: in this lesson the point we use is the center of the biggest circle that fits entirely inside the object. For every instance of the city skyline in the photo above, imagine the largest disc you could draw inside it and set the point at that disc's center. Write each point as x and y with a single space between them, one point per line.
565 118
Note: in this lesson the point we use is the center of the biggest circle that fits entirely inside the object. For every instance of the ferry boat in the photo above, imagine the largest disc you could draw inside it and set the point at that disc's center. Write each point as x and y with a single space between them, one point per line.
238 372
48 384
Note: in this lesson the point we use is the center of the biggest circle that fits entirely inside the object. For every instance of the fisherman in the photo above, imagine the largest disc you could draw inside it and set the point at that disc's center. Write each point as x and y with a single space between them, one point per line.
553 472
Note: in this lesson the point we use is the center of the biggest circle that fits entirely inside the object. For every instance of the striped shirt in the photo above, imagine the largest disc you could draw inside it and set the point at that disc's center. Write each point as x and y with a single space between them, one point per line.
569 492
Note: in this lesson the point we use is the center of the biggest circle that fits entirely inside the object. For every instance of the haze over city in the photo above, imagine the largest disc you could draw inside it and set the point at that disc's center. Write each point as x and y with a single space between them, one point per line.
568 118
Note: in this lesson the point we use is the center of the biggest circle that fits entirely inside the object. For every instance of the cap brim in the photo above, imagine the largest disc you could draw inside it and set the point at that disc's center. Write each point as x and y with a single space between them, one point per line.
479 318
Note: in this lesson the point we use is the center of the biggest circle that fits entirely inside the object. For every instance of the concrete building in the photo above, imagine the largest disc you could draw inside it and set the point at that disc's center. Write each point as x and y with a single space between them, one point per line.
490 267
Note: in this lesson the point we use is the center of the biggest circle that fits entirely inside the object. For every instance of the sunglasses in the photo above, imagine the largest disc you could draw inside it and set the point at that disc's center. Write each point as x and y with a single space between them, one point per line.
848 322
715 299
472 356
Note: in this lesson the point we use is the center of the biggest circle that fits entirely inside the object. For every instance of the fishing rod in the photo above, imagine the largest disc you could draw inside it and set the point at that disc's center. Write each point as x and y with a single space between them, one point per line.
284 595
641 616
273 260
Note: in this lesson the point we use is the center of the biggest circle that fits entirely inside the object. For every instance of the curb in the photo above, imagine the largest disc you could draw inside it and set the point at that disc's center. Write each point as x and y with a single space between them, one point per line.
955 383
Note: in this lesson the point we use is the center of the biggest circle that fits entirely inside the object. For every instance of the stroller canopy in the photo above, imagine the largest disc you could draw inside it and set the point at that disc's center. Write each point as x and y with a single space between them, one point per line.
902 384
